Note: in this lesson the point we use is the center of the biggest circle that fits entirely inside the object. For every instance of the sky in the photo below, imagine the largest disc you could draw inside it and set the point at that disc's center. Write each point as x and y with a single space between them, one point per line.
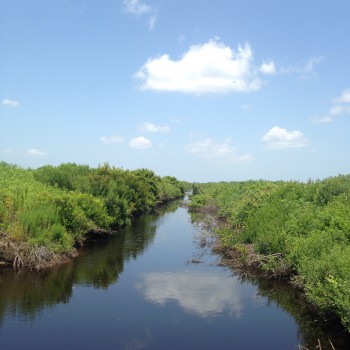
225 90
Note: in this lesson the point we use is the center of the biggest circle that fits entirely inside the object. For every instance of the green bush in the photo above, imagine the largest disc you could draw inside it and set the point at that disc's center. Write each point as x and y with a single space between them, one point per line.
38 219
169 188
198 201
306 224
56 206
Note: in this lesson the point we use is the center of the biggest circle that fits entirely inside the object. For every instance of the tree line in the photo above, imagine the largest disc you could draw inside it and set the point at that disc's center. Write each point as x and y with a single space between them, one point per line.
47 211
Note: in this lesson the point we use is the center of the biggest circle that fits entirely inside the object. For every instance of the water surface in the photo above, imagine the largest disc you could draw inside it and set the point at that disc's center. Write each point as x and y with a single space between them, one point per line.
137 290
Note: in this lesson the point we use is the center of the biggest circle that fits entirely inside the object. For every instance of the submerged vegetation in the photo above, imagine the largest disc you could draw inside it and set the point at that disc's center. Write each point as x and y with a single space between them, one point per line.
45 213
288 229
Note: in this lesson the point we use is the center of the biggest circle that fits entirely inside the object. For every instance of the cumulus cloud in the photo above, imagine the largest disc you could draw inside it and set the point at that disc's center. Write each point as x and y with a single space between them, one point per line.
138 8
279 138
149 127
9 103
194 291
212 150
208 68
36 152
140 143
111 139
214 67
268 67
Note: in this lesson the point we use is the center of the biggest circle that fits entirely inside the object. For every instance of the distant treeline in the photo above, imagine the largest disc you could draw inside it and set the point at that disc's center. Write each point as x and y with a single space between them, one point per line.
47 211
299 230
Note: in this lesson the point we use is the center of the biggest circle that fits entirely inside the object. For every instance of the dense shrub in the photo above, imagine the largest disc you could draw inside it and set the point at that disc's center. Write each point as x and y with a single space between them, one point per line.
306 224
57 206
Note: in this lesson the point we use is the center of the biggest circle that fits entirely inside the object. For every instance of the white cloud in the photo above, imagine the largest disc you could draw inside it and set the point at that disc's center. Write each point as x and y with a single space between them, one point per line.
340 107
268 67
140 143
36 152
308 71
279 138
9 103
208 68
338 110
149 127
305 71
111 139
152 21
322 120
311 64
344 97
138 7
246 107
212 150
194 291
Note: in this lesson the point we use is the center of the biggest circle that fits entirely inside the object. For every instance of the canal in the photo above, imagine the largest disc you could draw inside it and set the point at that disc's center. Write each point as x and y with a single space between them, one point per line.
141 290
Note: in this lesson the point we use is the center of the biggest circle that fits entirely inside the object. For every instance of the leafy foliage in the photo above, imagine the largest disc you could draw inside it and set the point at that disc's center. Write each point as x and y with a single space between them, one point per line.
307 224
57 206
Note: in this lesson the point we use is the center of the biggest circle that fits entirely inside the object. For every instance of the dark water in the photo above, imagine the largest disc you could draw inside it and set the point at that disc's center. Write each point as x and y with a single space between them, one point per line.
137 291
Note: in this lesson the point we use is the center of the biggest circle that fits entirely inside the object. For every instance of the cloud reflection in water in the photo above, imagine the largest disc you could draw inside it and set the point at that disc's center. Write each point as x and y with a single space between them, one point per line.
204 294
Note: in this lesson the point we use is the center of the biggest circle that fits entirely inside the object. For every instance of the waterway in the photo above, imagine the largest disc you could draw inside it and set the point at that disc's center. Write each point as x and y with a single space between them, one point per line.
140 290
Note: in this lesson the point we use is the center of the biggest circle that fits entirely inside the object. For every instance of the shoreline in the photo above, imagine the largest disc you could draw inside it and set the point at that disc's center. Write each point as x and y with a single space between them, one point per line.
21 255
245 262
242 257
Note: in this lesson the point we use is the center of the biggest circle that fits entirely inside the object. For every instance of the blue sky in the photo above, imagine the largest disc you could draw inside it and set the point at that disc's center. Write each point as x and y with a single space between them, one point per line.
201 90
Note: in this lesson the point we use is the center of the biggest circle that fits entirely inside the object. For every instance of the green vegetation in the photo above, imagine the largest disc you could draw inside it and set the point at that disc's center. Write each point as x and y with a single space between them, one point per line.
26 294
297 229
45 212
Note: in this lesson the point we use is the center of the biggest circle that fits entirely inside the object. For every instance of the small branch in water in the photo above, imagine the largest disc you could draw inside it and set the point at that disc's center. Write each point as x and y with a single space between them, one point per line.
194 261
17 263
318 346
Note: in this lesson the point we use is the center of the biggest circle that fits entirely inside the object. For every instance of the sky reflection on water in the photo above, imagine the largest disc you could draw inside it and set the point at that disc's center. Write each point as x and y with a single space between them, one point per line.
200 293
137 291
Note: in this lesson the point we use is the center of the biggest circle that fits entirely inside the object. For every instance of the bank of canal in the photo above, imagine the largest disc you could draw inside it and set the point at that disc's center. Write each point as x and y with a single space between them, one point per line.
136 290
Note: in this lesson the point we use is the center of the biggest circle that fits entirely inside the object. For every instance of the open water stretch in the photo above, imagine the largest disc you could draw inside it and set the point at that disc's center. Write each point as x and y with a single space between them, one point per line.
139 290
